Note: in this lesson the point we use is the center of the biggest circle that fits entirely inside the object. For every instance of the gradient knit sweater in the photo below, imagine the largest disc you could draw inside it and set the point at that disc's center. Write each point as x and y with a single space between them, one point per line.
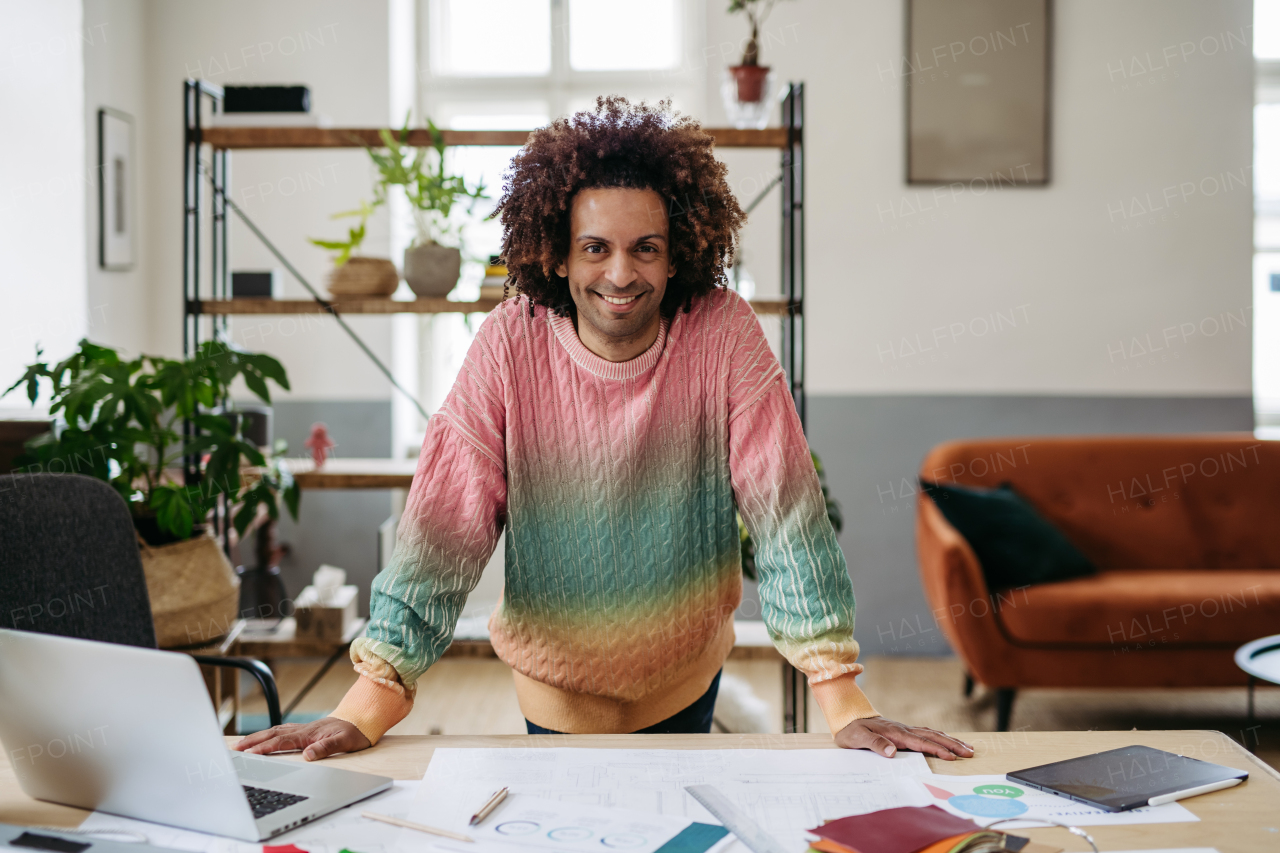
617 484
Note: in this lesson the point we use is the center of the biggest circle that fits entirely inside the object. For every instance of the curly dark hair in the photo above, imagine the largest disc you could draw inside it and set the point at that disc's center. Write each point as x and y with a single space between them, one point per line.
619 144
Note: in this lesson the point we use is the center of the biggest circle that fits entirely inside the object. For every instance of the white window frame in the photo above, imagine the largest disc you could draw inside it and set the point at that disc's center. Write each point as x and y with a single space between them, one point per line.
562 84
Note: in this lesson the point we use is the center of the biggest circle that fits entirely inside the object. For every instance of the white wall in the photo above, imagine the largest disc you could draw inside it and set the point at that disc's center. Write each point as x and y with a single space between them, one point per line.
119 307
338 49
1086 276
42 180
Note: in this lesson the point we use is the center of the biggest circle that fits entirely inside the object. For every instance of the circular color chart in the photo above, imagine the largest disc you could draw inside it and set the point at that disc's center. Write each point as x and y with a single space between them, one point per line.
517 827
570 833
976 804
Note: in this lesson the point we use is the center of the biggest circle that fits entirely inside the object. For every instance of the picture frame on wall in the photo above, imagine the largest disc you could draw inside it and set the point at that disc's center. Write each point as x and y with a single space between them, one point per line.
977 76
117 211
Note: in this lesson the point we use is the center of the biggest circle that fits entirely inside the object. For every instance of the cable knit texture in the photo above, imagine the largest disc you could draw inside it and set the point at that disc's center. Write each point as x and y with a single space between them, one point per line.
616 483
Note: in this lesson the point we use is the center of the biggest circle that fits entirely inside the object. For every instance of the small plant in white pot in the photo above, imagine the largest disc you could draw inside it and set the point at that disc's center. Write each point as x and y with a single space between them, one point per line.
433 262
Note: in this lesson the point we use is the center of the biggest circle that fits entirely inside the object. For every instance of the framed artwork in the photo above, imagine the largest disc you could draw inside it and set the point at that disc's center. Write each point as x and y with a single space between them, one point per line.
116 208
977 75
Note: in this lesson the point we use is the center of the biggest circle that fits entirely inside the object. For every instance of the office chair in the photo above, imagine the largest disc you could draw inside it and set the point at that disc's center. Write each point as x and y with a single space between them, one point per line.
69 565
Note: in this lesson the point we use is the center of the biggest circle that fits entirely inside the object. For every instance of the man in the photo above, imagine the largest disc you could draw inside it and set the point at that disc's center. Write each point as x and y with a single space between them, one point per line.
612 418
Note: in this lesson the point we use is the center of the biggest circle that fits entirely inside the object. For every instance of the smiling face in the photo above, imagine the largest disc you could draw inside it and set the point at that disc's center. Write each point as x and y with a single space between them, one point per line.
617 265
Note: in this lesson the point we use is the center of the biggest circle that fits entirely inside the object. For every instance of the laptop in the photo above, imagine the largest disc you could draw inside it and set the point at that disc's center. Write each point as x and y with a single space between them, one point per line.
131 731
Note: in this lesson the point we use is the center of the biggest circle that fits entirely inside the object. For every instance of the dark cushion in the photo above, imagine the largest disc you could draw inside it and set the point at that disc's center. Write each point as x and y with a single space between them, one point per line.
1015 544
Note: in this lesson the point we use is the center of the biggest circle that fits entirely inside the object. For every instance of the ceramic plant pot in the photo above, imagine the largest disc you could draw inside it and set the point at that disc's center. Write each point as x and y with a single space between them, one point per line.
747 92
750 80
432 270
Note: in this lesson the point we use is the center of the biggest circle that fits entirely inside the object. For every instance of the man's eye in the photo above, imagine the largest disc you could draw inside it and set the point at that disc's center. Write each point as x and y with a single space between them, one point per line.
594 249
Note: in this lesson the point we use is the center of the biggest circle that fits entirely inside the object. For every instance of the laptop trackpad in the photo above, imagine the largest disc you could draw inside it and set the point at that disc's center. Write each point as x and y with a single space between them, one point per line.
253 769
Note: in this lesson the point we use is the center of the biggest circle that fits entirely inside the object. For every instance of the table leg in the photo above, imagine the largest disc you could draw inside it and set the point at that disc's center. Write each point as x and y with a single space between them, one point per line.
795 700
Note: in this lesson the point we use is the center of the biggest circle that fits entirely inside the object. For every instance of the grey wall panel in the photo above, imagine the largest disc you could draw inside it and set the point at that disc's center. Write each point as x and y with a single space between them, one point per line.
872 447
337 527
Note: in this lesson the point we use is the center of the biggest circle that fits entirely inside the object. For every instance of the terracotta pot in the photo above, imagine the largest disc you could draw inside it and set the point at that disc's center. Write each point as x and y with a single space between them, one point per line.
364 277
750 79
432 269
194 592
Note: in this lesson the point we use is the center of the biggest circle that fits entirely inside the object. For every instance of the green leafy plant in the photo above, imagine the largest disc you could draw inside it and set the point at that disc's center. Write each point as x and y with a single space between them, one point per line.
123 424
757 12
431 189
834 514
355 234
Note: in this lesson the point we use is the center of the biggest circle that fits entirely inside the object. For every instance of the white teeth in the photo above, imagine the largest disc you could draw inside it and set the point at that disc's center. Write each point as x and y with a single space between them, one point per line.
614 300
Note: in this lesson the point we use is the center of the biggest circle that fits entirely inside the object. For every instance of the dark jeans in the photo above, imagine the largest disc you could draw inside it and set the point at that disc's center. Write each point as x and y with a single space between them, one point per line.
693 720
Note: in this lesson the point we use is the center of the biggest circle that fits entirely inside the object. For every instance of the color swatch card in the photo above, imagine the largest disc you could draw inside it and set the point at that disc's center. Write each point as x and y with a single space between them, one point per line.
986 799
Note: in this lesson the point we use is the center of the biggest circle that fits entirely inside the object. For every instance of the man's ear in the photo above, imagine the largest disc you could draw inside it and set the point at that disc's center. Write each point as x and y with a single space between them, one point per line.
671 270
562 269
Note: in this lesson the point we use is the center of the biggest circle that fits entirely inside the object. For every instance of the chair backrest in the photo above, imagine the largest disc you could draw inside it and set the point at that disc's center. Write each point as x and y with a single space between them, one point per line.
69 561
1137 502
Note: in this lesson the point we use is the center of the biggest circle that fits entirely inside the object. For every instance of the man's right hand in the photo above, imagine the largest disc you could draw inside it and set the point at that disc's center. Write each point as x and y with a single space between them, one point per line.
324 737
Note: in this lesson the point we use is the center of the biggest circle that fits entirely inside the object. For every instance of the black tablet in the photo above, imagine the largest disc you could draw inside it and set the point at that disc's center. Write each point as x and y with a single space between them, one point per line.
1128 778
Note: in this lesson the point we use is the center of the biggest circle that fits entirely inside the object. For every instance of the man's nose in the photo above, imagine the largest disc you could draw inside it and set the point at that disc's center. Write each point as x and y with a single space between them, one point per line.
621 269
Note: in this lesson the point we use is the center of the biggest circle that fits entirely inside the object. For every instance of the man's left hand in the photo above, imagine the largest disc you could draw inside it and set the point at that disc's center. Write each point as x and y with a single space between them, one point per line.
886 736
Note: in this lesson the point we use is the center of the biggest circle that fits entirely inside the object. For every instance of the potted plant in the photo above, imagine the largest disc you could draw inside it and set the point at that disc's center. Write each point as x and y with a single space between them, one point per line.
359 275
122 422
433 262
748 85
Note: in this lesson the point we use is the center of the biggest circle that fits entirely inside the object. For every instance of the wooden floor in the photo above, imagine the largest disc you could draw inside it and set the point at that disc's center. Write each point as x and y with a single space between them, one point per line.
470 696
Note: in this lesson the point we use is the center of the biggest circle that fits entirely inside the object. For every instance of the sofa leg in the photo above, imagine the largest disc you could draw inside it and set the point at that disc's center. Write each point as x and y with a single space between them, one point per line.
1004 707
968 685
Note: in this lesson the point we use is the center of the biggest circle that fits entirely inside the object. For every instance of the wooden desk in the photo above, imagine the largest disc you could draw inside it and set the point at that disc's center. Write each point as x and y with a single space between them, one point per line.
1245 819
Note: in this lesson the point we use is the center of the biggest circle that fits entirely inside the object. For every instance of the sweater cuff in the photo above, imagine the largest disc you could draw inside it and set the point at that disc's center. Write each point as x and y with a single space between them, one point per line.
842 701
373 707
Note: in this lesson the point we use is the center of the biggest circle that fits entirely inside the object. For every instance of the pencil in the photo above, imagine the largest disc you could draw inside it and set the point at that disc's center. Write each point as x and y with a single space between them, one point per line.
408 824
488 807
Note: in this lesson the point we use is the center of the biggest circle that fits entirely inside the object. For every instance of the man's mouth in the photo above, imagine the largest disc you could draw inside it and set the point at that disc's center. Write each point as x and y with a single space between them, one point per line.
618 300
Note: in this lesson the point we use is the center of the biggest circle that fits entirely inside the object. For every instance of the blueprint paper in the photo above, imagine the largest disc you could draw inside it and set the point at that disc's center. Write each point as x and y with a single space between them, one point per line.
785 791
329 834
986 799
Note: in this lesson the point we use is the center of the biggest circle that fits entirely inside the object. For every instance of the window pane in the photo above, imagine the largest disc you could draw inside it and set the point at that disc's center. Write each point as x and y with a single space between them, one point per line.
1266 157
483 236
490 38
624 35
1266 29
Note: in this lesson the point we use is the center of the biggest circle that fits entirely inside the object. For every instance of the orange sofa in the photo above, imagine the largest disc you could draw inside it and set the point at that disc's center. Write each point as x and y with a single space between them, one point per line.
1185 532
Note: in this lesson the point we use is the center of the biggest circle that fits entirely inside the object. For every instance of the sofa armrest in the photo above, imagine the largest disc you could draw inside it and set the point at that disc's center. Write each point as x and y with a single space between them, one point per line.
963 606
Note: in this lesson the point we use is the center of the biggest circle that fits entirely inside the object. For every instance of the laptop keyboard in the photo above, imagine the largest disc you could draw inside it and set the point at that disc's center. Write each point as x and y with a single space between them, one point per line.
265 802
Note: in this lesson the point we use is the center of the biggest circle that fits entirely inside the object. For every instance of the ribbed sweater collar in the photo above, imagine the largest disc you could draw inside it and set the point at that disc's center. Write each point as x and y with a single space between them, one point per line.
605 369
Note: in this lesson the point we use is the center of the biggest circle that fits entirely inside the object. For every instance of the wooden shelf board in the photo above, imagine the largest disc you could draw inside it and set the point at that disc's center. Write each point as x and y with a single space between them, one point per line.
349 305
360 137
342 473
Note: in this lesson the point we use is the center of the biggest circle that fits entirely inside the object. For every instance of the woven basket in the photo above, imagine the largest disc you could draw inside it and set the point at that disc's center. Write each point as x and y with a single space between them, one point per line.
364 277
194 592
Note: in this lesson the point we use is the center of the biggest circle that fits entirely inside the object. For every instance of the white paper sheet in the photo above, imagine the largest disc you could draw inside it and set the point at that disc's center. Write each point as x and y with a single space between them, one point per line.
986 799
344 828
523 822
785 791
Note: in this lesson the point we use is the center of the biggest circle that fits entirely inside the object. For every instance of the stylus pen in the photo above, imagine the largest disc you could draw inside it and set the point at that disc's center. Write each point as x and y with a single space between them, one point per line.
408 824
487 809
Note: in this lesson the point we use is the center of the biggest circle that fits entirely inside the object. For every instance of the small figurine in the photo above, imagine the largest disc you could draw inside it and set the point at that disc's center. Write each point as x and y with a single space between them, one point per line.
319 443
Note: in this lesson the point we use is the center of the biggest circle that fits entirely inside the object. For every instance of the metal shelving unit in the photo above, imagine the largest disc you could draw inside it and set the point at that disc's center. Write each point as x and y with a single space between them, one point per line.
207 306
